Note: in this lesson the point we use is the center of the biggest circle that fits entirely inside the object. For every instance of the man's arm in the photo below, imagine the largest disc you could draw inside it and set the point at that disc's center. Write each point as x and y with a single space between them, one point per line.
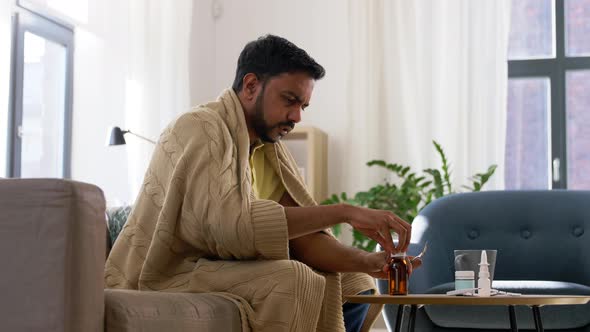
324 253
376 224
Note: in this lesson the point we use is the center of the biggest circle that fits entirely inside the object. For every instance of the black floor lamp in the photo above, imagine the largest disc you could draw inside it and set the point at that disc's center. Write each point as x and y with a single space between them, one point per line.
117 136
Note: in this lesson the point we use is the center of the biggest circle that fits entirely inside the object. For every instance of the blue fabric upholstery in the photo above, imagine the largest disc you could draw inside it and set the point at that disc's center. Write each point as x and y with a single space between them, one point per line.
539 235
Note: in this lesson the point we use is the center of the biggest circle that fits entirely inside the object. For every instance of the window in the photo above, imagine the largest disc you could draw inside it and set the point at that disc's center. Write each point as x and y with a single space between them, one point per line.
548 140
41 97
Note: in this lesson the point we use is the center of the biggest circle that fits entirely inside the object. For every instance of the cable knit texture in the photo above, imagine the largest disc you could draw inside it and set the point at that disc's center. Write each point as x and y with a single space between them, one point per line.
197 227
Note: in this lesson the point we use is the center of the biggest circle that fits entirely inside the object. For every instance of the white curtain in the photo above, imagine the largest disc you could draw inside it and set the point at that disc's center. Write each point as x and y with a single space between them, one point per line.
423 70
157 85
130 70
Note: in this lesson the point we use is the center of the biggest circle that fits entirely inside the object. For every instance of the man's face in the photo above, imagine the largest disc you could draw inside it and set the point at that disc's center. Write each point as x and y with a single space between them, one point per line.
280 103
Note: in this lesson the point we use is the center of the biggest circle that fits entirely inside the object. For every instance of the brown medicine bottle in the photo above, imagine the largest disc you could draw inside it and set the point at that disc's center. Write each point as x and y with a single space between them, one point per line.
398 274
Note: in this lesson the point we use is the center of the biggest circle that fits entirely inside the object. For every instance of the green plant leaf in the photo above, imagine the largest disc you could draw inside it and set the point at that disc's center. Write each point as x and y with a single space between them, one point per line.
445 166
438 190
404 171
425 184
410 193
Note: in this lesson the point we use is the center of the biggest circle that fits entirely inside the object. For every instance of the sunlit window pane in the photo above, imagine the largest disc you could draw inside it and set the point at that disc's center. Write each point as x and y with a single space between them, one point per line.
531 30
577 25
42 130
527 134
578 129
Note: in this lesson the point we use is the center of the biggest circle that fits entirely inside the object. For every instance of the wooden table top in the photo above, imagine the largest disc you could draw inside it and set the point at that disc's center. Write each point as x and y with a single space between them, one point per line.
470 300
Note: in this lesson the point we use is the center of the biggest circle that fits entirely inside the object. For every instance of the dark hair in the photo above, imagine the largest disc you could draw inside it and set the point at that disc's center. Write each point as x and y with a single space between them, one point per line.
270 56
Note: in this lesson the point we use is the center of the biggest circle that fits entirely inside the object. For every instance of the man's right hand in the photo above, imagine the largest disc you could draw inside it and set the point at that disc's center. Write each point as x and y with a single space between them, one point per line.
378 225
377 264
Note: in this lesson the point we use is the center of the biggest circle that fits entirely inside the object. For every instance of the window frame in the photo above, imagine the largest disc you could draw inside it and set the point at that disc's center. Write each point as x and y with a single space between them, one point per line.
555 69
26 19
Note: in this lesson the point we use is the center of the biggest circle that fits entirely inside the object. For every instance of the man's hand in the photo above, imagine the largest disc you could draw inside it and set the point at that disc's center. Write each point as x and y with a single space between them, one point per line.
378 224
377 264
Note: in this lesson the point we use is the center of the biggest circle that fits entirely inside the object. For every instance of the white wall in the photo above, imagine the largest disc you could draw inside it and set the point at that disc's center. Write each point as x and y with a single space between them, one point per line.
319 27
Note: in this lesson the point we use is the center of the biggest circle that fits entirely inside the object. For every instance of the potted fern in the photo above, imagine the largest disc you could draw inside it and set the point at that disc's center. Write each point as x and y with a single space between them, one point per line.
409 195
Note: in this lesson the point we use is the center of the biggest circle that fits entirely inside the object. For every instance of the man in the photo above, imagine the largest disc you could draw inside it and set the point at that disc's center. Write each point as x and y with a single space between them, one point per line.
223 209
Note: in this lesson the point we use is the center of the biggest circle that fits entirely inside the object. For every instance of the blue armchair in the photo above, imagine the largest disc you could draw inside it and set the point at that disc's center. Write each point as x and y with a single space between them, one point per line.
543 243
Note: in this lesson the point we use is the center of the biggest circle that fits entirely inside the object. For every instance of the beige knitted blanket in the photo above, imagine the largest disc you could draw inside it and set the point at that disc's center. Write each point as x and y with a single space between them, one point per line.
196 227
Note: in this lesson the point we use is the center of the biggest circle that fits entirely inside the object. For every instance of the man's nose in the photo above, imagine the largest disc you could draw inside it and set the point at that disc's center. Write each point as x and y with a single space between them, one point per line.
295 115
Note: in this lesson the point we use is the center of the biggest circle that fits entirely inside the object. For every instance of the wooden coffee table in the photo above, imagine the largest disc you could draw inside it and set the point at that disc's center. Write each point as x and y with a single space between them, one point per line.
415 300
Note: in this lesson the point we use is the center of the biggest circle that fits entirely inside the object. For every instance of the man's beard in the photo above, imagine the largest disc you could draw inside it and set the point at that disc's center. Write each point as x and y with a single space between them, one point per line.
259 124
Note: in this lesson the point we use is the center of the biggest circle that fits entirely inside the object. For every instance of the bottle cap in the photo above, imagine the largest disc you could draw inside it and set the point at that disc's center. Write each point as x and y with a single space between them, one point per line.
465 274
399 254
484 259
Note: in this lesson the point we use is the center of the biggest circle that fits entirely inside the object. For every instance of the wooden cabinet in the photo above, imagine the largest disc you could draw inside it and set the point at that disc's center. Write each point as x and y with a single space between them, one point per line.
309 147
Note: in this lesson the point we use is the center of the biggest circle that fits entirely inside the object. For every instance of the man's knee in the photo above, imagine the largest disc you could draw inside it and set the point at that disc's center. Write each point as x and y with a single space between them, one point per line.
294 273
307 275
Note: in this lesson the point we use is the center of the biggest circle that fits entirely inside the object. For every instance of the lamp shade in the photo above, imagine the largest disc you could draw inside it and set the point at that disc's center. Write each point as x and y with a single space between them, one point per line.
117 136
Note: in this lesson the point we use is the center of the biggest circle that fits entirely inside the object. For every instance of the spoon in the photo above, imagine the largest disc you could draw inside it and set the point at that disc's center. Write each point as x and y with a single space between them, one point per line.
421 253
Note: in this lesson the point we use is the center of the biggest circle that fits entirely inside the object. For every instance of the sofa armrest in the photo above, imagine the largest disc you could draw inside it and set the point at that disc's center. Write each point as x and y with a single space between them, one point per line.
52 247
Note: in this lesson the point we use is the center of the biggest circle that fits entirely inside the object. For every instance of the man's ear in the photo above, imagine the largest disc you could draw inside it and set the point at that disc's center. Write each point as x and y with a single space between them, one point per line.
250 86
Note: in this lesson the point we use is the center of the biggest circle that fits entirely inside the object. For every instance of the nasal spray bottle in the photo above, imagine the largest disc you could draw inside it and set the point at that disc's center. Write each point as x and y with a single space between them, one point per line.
483 281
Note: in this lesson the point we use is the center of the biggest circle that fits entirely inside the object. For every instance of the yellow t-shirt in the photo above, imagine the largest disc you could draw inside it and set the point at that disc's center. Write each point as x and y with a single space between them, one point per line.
265 182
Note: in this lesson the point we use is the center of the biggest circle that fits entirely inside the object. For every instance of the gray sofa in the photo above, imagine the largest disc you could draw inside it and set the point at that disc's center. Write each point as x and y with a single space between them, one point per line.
52 249
543 243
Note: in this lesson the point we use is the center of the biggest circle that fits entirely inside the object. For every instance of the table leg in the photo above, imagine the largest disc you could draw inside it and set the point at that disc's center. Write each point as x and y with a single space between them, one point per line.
537 317
513 325
412 321
400 318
